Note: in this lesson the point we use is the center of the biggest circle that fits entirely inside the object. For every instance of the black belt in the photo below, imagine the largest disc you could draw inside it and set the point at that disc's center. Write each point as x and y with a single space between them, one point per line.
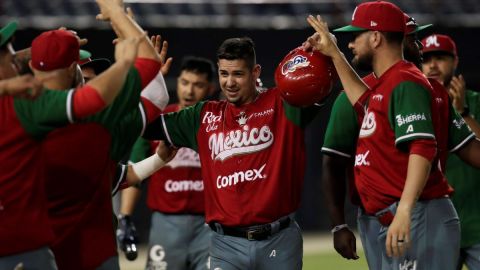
257 232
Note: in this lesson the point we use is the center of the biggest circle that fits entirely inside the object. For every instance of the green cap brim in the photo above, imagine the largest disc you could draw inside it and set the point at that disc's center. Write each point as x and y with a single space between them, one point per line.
7 32
84 55
420 28
349 28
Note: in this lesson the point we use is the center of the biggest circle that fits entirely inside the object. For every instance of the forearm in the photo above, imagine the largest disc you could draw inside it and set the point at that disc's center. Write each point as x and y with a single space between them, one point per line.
473 125
417 175
130 197
351 82
126 27
333 182
470 153
141 170
109 83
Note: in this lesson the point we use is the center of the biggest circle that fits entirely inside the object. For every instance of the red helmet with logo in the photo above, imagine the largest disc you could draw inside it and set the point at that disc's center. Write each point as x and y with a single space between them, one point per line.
305 77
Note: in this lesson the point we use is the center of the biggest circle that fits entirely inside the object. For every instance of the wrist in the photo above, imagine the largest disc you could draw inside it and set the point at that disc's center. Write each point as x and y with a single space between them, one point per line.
339 227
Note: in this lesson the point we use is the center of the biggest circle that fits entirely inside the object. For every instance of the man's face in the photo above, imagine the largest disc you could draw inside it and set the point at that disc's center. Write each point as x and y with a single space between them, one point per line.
440 67
8 68
192 87
237 80
362 53
88 73
412 49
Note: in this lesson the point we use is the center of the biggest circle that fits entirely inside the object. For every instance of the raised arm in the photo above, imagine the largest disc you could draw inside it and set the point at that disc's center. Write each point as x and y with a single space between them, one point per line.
125 26
325 42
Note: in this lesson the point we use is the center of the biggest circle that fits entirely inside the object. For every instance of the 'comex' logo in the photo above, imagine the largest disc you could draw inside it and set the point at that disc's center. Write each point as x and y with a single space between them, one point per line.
432 40
361 159
240 177
291 65
368 125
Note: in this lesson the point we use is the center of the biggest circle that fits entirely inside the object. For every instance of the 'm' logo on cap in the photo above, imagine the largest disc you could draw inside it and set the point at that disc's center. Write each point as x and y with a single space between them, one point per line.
432 40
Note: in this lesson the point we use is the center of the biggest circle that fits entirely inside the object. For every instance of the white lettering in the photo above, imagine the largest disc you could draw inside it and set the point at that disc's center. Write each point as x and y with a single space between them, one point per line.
183 185
368 125
240 177
240 141
361 159
402 120
432 40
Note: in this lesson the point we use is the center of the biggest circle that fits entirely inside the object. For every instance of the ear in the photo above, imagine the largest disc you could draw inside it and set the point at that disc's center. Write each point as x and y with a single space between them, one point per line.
257 70
30 64
455 62
375 39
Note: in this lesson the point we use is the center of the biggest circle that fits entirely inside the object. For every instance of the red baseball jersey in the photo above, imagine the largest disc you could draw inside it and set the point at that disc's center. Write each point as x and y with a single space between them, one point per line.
399 111
177 188
252 156
24 224
80 164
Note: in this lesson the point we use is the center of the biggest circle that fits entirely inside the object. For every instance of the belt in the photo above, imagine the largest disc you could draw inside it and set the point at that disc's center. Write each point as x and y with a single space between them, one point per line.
257 232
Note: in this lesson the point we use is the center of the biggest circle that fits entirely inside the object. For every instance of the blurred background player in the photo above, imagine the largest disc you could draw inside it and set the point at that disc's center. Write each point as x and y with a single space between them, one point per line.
440 61
92 67
175 193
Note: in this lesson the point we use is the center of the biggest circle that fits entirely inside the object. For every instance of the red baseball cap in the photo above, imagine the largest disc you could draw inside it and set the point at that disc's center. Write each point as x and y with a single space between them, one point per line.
412 26
439 43
54 49
376 16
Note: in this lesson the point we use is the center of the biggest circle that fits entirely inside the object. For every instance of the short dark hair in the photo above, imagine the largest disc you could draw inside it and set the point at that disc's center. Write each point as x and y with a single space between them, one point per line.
394 37
238 48
198 65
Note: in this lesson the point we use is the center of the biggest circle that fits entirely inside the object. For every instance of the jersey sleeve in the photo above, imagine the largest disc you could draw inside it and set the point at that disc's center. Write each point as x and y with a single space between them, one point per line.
458 131
301 116
409 113
181 127
141 150
50 110
342 129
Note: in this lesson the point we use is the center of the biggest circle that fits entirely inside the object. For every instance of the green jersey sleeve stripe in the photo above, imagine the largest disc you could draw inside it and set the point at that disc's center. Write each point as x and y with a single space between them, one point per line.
70 106
472 136
164 125
415 135
336 152
144 117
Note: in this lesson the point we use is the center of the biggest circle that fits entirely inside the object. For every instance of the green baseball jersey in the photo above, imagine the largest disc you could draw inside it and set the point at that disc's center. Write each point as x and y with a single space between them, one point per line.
465 179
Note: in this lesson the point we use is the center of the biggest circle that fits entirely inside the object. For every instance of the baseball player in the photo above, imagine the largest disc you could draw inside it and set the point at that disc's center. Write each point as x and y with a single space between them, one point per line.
252 186
440 63
82 218
92 67
339 147
175 193
398 128
24 123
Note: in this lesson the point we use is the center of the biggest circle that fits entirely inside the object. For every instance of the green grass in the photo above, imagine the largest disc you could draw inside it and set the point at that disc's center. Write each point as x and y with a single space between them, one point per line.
327 261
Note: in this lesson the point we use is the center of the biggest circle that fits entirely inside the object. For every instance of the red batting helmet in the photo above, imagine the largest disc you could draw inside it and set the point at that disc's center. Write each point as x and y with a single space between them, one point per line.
305 77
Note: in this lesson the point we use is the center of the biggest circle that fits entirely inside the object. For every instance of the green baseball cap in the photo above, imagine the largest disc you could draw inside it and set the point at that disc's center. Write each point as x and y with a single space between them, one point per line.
7 32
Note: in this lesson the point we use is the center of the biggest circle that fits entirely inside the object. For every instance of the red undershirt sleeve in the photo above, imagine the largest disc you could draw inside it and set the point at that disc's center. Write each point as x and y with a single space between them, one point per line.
148 69
86 101
425 148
